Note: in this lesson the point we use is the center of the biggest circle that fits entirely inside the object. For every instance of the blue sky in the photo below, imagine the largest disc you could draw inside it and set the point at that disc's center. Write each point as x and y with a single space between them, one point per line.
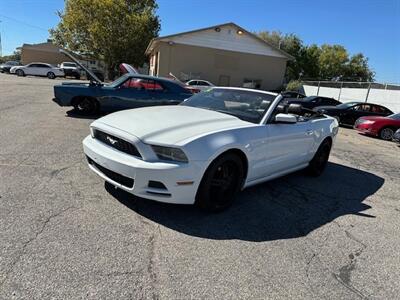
369 26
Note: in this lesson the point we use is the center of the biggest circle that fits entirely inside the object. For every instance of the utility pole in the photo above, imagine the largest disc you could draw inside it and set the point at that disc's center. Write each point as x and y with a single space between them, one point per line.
1 49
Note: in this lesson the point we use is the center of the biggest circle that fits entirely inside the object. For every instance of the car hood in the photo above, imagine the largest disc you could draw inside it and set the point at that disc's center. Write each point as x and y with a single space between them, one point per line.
375 118
170 125
69 83
327 108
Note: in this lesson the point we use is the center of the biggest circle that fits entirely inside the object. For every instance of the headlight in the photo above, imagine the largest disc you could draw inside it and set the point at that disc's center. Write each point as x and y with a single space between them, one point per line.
169 153
367 122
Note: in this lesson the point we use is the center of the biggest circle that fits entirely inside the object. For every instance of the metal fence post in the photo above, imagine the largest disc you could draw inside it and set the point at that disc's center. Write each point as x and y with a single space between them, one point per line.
318 88
369 88
340 91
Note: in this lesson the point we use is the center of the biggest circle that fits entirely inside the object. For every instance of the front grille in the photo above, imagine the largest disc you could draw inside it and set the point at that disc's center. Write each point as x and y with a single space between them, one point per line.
121 179
116 143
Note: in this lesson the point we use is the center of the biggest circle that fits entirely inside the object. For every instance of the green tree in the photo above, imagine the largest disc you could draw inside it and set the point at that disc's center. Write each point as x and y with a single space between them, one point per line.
357 69
326 62
291 44
15 56
309 62
332 61
114 31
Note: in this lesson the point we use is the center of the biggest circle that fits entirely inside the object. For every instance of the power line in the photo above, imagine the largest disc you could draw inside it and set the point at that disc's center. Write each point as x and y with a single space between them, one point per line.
24 23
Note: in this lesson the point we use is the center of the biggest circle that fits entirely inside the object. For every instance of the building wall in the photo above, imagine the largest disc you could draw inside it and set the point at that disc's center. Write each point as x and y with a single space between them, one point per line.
187 62
41 53
49 53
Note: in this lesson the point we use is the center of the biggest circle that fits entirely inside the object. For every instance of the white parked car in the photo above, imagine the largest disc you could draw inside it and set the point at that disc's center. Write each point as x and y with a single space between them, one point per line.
200 85
209 147
38 69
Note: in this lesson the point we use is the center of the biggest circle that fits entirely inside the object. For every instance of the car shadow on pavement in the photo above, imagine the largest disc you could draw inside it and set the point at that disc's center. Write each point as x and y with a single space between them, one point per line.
74 114
289 207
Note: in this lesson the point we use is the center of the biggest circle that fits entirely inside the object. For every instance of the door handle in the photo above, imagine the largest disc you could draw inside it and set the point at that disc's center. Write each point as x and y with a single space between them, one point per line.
309 132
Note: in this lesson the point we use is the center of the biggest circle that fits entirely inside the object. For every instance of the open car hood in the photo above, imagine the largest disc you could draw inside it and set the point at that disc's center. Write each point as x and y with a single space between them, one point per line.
94 77
127 68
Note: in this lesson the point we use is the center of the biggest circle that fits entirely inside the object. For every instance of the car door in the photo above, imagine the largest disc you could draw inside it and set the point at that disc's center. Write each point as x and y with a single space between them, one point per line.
355 112
283 146
289 145
129 94
159 94
43 69
31 69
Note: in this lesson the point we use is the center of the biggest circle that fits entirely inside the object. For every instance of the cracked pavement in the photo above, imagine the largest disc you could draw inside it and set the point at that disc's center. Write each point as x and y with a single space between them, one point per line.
64 234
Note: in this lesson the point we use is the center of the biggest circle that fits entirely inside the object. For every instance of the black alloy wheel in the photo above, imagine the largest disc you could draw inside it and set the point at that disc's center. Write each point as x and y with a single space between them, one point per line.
318 163
51 75
221 182
86 106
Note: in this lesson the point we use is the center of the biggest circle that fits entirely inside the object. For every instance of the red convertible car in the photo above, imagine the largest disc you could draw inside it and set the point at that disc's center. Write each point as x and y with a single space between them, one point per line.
383 127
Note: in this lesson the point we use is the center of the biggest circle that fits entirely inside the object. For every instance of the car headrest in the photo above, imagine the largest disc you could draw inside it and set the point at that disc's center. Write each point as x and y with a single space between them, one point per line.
295 109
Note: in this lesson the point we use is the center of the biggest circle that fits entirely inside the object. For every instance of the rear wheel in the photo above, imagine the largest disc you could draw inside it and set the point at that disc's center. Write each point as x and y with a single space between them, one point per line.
20 73
386 134
86 105
220 183
318 163
51 75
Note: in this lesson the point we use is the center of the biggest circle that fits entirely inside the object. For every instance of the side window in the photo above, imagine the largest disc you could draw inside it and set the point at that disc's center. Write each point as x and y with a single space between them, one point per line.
362 107
193 82
152 85
379 109
32 65
142 84
203 83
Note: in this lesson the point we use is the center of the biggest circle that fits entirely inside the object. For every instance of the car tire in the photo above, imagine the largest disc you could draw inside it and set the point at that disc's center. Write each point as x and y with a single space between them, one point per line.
318 163
386 133
221 182
51 75
86 106
20 73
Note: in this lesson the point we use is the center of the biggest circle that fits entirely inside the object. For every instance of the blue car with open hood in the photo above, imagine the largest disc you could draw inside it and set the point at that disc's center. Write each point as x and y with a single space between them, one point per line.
131 90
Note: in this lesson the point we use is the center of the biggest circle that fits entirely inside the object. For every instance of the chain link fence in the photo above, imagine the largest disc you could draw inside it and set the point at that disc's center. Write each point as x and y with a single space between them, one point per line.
345 91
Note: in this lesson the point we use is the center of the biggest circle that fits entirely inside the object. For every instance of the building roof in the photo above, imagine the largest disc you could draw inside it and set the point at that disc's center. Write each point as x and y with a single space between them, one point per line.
179 36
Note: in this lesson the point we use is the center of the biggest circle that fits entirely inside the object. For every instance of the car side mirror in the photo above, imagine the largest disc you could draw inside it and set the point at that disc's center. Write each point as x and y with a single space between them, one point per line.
295 109
285 118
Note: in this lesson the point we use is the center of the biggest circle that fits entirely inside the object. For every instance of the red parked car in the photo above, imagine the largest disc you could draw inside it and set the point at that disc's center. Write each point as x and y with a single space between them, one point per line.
383 127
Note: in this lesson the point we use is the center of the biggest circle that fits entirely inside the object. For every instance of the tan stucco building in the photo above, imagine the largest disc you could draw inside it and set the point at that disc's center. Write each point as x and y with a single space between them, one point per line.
49 53
226 55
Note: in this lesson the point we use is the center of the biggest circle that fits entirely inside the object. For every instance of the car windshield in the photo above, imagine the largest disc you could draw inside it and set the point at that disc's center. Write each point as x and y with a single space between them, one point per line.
395 116
118 81
346 105
69 65
246 105
308 99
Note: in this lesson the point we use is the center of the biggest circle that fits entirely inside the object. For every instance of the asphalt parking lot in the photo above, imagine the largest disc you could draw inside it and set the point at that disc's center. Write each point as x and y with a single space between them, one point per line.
64 234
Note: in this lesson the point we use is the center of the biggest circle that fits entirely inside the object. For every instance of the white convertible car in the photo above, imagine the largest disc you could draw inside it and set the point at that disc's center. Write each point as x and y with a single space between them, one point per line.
208 148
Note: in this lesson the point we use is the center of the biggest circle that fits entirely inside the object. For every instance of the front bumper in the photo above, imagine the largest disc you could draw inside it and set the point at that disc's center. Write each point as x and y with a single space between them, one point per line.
114 163
366 129
58 101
